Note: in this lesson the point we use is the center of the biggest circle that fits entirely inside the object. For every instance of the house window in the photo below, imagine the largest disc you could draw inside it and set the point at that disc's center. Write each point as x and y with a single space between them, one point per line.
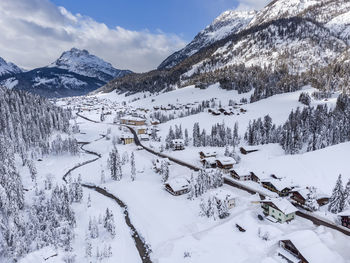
279 214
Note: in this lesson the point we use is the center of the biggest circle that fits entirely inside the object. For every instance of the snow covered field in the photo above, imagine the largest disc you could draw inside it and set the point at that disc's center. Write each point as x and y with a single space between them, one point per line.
172 226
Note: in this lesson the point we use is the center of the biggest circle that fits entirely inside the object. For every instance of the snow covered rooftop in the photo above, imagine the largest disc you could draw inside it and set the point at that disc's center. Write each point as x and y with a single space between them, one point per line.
210 160
226 160
209 153
279 184
311 247
305 191
178 184
344 213
283 205
178 141
131 118
127 136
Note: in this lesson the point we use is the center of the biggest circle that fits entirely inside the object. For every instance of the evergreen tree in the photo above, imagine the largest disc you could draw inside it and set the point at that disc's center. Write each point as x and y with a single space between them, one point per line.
336 201
109 223
133 167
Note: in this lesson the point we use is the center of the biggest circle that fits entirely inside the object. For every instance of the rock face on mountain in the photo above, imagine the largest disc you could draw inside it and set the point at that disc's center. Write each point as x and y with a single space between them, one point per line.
293 40
229 22
76 72
8 68
83 63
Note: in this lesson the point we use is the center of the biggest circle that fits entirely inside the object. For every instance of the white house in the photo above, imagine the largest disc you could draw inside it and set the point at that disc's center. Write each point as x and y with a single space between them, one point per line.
278 210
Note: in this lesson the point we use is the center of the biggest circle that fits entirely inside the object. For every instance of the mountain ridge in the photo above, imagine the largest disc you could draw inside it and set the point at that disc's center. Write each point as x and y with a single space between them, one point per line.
75 72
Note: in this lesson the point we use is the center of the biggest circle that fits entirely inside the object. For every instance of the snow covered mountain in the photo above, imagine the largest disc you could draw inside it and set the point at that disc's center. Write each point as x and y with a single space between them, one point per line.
76 72
288 38
229 22
86 64
8 68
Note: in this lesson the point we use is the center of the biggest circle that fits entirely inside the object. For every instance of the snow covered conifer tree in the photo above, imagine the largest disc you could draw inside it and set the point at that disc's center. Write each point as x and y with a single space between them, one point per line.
186 138
347 195
311 200
114 165
109 222
89 201
227 151
336 201
165 171
196 135
133 167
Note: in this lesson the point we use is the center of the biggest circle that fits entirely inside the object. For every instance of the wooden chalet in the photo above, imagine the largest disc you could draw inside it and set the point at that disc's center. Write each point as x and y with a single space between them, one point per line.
305 247
127 138
207 154
178 144
130 120
209 162
345 218
177 186
277 186
300 196
141 130
225 163
243 175
240 177
155 122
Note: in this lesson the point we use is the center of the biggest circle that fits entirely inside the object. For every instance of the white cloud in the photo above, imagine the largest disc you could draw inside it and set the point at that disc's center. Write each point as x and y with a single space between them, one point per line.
35 32
252 4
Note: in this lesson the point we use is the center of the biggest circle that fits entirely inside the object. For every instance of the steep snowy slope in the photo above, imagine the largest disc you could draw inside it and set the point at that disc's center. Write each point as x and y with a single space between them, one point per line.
76 72
293 38
229 22
8 68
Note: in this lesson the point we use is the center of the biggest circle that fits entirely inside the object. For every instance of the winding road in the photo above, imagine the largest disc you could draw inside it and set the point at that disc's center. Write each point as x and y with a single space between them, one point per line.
141 246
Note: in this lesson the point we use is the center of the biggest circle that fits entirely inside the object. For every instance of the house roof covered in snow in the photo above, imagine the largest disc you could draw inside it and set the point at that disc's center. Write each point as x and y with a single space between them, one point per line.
178 141
283 205
279 184
178 183
226 160
222 194
208 153
344 213
210 160
131 118
311 247
127 136
305 191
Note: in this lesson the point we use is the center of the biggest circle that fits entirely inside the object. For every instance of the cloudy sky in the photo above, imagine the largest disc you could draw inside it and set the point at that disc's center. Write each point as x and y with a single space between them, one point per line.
134 35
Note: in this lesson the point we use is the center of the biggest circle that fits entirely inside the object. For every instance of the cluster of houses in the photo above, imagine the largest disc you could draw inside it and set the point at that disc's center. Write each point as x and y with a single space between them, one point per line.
139 124
210 159
177 106
226 111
